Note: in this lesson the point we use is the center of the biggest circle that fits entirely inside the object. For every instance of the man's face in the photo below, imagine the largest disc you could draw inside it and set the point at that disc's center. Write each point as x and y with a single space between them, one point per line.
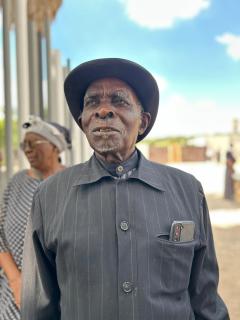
112 119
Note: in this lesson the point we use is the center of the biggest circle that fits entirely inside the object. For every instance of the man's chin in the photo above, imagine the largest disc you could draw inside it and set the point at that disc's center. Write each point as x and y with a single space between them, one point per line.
105 149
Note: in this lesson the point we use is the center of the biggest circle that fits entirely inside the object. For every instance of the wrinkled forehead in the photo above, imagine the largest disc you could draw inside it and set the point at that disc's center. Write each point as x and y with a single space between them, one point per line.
106 86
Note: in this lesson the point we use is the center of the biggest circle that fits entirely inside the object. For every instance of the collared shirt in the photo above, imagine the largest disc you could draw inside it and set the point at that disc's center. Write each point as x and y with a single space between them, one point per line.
122 170
102 252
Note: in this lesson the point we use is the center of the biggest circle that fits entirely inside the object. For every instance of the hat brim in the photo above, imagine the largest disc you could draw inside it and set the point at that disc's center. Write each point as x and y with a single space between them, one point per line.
137 77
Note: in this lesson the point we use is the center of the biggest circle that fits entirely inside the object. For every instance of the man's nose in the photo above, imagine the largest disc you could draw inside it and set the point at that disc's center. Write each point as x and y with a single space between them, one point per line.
104 112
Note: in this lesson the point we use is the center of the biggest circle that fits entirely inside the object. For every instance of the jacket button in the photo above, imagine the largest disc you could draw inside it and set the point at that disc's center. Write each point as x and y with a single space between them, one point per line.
119 169
127 287
124 226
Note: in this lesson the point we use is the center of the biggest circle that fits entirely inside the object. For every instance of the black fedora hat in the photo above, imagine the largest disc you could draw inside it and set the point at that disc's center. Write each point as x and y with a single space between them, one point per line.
137 77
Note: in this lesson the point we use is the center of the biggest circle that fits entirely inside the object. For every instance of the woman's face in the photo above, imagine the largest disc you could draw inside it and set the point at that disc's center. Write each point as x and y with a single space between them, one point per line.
40 153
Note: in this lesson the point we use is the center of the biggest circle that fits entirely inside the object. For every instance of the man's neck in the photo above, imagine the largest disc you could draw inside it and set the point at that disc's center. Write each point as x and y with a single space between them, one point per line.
113 158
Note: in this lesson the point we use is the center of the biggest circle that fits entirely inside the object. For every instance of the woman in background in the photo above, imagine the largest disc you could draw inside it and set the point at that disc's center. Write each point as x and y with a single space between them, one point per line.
43 142
229 187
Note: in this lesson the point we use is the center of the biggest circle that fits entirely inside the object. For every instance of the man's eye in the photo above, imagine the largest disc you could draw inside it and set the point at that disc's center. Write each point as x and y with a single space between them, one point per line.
119 101
90 103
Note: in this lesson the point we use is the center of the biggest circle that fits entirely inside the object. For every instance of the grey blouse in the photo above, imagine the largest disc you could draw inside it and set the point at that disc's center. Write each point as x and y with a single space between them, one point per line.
14 211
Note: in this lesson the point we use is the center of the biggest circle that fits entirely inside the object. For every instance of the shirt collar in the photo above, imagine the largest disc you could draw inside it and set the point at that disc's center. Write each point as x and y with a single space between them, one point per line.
119 169
147 172
150 173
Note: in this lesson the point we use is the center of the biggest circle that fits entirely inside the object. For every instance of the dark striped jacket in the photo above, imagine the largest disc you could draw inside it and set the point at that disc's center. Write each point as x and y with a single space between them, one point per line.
102 251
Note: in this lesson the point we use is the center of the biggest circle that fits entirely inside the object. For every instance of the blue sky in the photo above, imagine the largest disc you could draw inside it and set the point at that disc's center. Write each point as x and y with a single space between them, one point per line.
192 47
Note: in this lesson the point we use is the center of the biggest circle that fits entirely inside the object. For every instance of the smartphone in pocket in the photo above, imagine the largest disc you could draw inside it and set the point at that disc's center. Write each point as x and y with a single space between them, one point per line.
182 231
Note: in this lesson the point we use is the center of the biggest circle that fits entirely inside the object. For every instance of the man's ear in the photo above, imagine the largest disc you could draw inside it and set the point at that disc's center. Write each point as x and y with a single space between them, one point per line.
145 120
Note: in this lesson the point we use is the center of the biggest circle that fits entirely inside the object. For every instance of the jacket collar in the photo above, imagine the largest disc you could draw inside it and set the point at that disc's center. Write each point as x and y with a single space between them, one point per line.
90 172
147 172
150 173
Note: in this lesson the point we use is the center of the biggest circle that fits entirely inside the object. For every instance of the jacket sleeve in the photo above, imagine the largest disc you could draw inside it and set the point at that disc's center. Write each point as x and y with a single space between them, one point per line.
40 292
206 302
3 212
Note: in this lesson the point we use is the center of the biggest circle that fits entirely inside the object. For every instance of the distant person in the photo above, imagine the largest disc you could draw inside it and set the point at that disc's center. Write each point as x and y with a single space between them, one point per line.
119 237
218 156
42 144
229 184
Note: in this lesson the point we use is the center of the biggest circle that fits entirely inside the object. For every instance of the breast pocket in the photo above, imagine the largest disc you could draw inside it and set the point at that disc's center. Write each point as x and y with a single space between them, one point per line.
172 263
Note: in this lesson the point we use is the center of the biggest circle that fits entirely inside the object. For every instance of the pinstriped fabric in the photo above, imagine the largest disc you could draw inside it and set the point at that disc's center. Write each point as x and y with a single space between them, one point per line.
88 263
101 250
14 212
104 242
62 227
147 253
131 247
75 251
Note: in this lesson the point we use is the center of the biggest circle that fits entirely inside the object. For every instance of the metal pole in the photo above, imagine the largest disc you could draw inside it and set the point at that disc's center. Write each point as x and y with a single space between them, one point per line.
48 54
22 68
56 112
33 68
40 88
67 121
7 88
81 151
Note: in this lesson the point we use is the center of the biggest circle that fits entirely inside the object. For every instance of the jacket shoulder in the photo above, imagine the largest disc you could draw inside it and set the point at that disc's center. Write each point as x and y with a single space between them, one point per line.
65 177
175 175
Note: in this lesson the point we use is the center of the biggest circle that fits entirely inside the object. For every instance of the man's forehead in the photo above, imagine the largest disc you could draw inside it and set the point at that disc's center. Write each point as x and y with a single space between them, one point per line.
108 84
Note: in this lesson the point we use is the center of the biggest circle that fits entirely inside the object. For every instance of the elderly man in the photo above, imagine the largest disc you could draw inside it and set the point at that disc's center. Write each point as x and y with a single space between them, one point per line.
119 237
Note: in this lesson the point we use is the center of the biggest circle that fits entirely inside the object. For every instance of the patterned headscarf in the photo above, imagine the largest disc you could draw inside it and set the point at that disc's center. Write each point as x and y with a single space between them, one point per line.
53 132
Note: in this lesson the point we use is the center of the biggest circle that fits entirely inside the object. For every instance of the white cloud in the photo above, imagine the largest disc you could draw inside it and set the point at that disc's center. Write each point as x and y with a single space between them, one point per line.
155 14
179 116
232 43
161 81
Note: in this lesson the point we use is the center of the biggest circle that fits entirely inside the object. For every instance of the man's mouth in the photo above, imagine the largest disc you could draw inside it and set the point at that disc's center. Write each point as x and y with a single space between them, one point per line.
105 130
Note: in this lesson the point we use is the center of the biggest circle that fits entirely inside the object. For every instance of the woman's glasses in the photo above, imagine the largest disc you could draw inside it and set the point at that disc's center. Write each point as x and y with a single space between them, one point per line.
31 144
